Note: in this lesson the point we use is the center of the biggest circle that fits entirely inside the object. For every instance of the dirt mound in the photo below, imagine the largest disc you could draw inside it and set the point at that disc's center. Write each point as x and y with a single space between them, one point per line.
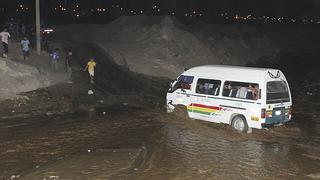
236 44
16 77
163 46
158 46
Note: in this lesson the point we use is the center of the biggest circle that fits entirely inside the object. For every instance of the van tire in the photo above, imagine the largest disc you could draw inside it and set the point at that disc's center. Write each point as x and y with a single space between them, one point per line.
239 123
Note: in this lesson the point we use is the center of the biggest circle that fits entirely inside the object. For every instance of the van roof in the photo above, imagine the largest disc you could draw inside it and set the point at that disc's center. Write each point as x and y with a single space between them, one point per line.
231 72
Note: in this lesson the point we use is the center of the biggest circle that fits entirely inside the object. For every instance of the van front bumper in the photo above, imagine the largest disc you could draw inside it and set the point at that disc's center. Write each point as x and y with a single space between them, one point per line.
170 107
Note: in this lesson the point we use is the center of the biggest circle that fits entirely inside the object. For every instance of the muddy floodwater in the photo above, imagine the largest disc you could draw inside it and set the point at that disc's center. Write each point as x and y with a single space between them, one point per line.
197 149
138 144
123 132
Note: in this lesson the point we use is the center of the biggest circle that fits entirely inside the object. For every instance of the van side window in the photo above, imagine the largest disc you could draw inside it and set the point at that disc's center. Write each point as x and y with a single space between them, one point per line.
183 82
208 86
241 90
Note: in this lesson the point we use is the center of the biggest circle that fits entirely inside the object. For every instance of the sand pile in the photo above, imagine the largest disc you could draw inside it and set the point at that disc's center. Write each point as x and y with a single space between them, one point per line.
16 78
162 46
18 75
158 46
236 44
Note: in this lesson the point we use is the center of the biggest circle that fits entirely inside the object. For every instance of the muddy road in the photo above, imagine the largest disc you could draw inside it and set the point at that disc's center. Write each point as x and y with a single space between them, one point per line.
123 132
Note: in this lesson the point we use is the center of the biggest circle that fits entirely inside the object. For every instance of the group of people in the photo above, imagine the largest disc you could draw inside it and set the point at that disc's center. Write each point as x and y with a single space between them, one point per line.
55 56
208 88
90 66
249 92
25 44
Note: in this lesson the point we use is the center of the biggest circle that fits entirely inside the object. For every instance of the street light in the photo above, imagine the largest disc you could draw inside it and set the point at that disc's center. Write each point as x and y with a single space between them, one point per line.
38 27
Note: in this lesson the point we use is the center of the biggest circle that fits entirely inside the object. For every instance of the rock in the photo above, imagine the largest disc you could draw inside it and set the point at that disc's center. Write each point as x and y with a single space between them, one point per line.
91 109
49 113
314 176
53 177
90 92
15 177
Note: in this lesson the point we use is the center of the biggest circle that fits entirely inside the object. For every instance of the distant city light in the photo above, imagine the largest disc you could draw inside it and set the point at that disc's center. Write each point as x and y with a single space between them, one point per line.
156 9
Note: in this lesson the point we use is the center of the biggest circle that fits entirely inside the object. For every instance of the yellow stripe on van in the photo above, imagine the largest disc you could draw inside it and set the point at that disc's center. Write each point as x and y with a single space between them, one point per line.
204 109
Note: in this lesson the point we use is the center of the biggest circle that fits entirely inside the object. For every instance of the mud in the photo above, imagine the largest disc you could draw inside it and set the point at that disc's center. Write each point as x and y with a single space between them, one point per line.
123 132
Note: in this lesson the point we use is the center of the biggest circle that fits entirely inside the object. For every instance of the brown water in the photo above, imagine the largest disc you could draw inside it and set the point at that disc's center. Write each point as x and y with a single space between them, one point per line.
182 149
197 150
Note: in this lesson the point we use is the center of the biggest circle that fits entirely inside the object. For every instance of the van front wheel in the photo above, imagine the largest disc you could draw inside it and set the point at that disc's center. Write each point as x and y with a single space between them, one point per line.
239 123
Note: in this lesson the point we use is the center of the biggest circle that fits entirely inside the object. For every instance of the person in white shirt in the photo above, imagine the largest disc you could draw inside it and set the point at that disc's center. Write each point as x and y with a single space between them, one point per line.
5 42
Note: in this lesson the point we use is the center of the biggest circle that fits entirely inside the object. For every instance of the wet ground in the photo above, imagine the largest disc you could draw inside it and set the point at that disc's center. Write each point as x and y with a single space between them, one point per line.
123 132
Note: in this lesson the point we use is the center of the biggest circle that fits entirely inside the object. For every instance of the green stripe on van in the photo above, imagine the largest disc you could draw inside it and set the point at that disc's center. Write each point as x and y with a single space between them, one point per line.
200 112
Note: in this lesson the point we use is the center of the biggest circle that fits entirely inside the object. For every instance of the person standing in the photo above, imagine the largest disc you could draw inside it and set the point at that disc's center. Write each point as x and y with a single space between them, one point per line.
5 42
23 30
54 59
25 47
68 62
68 59
32 37
90 67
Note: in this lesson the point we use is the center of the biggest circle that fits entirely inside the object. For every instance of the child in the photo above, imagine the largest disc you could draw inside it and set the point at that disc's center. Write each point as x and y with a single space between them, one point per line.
68 63
54 60
25 47
90 66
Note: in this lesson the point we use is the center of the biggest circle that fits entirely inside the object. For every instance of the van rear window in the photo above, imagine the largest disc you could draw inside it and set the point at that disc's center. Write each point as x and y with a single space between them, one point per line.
277 92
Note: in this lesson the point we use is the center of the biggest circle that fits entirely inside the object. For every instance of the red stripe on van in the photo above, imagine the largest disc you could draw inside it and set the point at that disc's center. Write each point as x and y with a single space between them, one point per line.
205 106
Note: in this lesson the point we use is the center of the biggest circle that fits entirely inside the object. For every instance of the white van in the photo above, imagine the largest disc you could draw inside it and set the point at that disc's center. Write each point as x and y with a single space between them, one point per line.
243 97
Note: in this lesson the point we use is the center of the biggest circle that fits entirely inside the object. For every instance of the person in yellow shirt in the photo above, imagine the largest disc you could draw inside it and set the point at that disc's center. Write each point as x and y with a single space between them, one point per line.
90 67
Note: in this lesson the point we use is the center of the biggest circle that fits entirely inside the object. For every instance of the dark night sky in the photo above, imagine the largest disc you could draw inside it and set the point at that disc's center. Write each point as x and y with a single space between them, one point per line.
281 7
270 7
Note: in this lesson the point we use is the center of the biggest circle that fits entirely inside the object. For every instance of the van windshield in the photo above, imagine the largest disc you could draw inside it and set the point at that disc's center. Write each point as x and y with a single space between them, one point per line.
183 82
277 92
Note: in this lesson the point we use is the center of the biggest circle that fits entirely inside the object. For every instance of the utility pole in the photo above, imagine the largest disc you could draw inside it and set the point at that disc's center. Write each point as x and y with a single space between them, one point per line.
38 28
